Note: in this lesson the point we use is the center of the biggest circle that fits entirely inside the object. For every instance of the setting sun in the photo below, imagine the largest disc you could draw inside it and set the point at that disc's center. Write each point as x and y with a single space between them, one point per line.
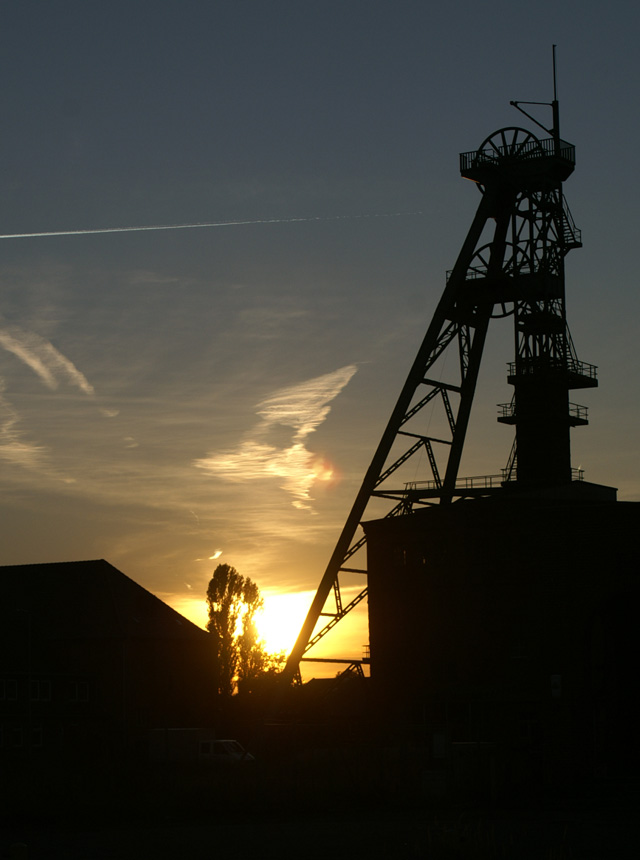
278 623
281 619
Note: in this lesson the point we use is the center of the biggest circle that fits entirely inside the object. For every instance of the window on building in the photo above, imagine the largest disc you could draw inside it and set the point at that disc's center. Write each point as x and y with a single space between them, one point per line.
40 691
8 689
527 719
79 691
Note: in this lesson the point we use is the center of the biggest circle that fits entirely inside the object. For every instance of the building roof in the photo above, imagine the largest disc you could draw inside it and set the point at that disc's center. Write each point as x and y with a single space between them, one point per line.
88 600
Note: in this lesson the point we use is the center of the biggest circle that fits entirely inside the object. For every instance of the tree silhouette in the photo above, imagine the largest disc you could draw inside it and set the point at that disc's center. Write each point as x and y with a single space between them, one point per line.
251 654
233 601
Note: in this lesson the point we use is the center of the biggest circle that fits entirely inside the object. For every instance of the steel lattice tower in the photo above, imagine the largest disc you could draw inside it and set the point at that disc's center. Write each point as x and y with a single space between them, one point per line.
519 273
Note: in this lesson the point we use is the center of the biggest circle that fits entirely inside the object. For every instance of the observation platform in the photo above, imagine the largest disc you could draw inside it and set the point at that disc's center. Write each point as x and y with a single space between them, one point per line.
578 416
519 158
576 374
483 486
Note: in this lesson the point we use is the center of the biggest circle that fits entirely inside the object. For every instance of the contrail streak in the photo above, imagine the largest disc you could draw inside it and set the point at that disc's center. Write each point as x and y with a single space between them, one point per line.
197 225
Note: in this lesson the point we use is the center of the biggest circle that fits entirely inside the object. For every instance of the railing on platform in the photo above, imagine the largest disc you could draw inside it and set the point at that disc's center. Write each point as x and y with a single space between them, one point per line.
482 482
528 366
477 482
510 476
527 151
576 410
579 412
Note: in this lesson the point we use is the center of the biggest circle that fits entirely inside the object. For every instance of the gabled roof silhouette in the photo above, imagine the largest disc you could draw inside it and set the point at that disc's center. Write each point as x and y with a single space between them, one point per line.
89 600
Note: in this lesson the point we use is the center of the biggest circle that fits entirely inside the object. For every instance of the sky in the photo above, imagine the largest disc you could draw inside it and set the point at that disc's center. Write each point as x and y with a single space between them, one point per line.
173 399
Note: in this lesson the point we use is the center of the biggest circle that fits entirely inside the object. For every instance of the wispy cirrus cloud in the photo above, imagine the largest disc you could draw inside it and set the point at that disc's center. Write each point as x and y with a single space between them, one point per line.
43 358
51 367
302 407
12 446
262 323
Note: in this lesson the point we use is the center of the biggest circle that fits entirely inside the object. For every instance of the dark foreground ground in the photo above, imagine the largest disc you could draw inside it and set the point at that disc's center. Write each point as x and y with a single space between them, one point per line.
313 810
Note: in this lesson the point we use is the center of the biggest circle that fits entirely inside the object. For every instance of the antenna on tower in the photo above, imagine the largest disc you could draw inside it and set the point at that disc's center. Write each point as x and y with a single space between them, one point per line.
554 131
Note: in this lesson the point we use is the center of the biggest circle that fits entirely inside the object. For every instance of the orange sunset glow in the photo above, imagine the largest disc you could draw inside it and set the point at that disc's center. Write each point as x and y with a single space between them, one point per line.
280 621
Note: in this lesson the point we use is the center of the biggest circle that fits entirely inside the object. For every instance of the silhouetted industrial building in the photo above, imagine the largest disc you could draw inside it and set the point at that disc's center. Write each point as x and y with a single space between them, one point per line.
510 623
91 663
